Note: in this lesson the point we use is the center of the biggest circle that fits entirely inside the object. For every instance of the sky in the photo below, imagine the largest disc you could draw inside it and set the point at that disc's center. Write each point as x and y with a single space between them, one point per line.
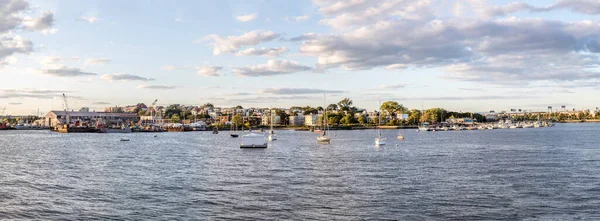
463 55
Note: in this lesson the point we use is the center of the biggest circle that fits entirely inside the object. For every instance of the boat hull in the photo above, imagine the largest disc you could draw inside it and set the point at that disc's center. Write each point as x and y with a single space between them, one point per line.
323 139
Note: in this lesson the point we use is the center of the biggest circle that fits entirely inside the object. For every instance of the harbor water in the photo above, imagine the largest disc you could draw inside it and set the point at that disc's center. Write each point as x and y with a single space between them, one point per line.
518 174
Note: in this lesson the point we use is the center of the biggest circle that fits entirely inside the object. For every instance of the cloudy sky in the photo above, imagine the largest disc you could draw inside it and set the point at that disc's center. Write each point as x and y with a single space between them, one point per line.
469 55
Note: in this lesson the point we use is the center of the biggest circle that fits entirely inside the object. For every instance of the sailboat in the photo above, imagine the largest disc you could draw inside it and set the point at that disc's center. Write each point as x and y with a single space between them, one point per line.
324 138
379 141
233 132
271 131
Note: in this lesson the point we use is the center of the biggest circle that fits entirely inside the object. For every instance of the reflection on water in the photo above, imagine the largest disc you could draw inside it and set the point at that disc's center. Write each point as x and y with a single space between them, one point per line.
544 173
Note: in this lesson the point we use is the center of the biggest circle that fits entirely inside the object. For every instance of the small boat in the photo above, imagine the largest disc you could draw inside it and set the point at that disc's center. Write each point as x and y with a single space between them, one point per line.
400 135
124 139
324 139
379 141
271 131
254 140
233 133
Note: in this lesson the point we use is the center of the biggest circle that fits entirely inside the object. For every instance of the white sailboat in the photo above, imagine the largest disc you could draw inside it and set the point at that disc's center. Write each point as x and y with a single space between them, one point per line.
379 141
324 138
271 131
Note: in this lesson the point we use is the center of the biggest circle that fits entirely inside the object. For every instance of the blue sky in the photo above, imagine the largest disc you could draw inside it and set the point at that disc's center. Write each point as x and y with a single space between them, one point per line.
469 55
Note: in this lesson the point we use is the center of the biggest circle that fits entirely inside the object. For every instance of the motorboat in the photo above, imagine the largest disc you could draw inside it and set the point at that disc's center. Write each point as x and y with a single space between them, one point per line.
254 140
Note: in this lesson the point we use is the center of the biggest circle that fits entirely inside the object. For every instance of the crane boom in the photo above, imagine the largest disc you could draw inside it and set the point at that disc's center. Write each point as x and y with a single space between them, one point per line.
66 109
152 107
3 110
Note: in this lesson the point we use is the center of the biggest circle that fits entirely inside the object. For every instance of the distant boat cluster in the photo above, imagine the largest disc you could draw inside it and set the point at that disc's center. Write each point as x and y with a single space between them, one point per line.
485 126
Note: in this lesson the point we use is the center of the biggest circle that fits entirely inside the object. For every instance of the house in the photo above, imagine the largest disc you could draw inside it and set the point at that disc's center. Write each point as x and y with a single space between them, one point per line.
311 119
266 120
296 120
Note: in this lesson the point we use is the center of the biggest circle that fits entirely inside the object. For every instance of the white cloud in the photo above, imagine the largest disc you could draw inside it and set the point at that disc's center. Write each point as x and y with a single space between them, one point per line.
43 23
231 44
209 70
10 45
168 68
64 71
398 34
11 21
97 61
297 18
10 11
125 77
297 91
395 86
8 60
157 87
30 93
90 19
267 52
272 68
246 18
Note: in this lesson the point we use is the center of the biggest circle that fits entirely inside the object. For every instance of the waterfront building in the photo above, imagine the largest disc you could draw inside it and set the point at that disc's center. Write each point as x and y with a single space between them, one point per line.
311 119
491 116
54 118
296 120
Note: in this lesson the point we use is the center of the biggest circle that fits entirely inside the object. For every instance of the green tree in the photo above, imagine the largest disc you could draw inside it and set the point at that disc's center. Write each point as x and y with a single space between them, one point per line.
362 119
187 114
172 110
332 107
334 118
345 104
239 107
392 107
175 118
208 105
414 117
283 116
237 120
348 119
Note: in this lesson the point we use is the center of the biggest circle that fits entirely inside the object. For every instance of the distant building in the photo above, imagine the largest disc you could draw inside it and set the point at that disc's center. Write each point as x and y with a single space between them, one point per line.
266 120
223 119
54 118
491 116
311 119
297 120
466 121
84 109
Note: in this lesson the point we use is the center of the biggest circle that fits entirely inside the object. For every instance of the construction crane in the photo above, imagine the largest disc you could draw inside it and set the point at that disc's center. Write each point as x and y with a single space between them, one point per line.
66 110
3 110
153 106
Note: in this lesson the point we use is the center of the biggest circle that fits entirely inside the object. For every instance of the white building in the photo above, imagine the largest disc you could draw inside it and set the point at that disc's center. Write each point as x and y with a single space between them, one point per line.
266 120
311 119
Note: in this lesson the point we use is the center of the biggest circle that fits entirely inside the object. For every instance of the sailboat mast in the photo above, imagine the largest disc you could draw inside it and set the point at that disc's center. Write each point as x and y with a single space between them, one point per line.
325 115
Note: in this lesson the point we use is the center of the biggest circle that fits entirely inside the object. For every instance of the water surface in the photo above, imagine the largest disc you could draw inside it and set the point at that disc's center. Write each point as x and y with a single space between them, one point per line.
519 174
